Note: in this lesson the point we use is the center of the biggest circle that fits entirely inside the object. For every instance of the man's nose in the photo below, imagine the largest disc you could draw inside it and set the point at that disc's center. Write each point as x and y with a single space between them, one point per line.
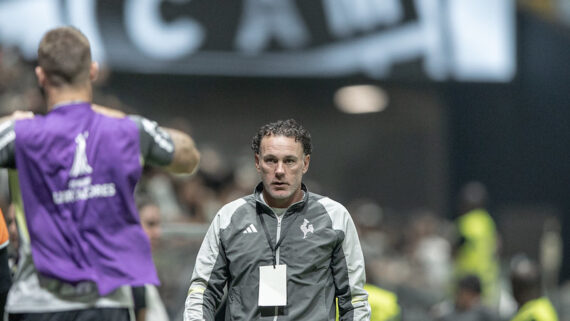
280 169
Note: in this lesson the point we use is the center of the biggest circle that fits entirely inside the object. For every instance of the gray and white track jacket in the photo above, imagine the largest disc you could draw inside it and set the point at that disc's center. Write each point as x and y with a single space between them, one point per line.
321 250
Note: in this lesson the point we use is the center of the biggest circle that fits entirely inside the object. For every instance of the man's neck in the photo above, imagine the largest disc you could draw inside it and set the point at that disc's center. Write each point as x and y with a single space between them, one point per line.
57 96
275 203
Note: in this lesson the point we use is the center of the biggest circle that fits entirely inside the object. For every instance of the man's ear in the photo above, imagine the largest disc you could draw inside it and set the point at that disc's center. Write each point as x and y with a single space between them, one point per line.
94 71
306 161
257 165
40 75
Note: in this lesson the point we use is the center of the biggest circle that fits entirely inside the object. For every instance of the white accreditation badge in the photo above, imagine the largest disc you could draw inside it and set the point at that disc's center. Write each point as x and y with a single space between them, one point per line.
273 285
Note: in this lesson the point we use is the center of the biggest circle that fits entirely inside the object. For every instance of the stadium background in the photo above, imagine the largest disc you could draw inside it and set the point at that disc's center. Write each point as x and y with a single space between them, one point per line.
504 124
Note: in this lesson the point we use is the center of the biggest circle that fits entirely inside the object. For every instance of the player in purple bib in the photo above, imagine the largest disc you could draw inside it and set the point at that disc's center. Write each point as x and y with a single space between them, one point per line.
73 177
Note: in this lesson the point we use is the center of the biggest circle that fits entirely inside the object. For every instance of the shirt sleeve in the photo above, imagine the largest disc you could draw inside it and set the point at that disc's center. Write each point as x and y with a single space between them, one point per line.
209 277
157 147
348 273
7 142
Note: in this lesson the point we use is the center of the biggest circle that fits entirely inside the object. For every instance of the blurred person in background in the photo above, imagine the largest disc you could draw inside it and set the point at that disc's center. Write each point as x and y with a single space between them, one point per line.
74 171
383 304
14 246
429 251
147 302
551 253
150 215
467 303
475 251
367 216
283 252
527 291
5 275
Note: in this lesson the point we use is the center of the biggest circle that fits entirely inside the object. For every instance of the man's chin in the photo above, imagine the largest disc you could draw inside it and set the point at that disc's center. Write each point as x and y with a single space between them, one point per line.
280 195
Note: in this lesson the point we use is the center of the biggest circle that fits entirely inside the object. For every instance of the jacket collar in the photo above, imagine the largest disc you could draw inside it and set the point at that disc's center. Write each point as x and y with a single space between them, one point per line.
295 207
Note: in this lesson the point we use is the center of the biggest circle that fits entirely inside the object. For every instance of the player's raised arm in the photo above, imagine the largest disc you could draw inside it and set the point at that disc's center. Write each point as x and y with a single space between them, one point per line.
186 156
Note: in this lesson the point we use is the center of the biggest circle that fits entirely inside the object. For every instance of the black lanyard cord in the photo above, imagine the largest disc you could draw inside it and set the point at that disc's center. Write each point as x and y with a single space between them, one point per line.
285 230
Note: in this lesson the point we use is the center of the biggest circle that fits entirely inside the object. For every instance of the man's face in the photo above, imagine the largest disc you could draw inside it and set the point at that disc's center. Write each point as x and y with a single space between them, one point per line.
281 164
150 220
12 227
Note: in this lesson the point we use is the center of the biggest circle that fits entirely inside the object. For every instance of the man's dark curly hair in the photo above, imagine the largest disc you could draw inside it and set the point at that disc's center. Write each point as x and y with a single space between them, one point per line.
287 128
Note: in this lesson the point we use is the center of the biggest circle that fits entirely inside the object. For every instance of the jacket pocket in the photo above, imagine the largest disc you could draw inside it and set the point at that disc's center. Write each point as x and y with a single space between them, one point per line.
308 303
243 302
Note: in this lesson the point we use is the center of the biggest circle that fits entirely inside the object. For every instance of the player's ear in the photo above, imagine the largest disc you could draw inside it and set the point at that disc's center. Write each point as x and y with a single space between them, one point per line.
40 75
257 160
93 71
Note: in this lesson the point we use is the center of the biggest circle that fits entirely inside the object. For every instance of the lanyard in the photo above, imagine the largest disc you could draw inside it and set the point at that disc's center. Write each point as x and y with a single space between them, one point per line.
274 248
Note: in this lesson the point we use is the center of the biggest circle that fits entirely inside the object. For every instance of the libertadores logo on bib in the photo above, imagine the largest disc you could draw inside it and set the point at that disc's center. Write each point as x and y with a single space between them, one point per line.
79 186
80 164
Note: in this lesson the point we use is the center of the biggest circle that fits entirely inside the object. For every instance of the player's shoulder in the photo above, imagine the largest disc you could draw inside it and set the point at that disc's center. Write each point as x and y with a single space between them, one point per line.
229 210
232 207
108 112
336 212
330 205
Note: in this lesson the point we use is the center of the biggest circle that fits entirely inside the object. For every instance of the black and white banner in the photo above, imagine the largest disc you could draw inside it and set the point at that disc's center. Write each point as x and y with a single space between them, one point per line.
464 40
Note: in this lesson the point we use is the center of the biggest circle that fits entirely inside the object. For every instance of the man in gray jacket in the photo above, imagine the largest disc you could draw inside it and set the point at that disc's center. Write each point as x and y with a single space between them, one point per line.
283 252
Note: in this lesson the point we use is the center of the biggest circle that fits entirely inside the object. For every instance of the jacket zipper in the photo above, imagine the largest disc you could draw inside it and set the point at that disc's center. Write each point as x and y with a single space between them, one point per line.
279 218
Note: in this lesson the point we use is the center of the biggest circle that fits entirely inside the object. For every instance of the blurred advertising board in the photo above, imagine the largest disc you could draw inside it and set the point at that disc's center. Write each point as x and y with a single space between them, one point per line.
463 40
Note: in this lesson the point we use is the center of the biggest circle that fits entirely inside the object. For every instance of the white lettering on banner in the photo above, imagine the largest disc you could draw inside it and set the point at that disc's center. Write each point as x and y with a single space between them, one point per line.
345 17
466 40
83 15
479 45
263 20
156 38
23 23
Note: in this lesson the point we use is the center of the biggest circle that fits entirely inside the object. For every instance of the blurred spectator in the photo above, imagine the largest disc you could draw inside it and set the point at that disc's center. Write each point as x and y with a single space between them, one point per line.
159 186
150 217
14 246
475 250
550 253
368 216
18 86
429 250
383 304
5 277
467 303
527 291
147 301
198 200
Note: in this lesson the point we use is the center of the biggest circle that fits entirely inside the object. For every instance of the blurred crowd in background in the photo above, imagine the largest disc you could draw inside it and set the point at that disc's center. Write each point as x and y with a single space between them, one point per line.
416 255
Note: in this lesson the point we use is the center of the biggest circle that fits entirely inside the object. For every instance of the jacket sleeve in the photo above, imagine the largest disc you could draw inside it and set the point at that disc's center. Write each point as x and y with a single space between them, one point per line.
7 142
209 277
348 270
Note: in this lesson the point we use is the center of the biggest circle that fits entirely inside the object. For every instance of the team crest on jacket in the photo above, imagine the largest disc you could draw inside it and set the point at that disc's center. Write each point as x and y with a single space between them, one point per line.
306 228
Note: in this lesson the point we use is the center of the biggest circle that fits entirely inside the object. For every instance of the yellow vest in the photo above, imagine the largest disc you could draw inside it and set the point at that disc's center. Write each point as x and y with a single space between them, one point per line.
383 304
477 255
537 310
